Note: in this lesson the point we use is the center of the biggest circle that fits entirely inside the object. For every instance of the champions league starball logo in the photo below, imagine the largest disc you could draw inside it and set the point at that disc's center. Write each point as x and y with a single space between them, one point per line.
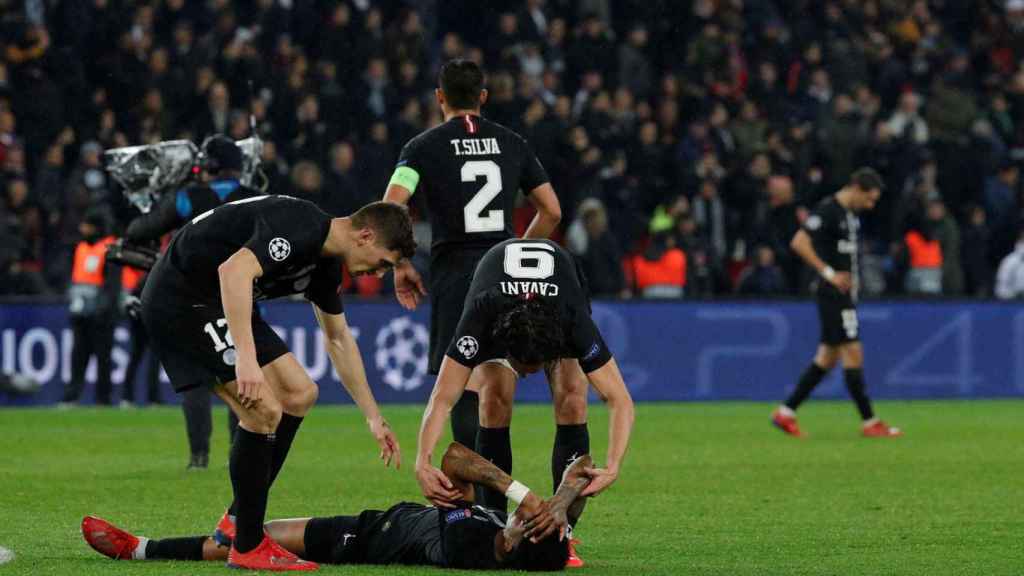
467 346
279 249
402 353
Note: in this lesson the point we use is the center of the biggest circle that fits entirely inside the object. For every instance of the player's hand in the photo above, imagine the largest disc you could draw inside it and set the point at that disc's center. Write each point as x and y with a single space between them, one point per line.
540 523
385 436
600 478
250 382
409 287
437 487
842 282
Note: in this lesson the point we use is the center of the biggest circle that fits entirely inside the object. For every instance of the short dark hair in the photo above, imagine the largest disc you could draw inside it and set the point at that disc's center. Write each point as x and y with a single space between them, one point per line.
867 179
468 544
548 555
531 328
461 81
392 224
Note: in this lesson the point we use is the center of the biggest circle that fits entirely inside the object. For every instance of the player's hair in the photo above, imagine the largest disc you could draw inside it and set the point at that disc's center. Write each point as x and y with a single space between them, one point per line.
392 224
548 555
867 179
461 81
531 328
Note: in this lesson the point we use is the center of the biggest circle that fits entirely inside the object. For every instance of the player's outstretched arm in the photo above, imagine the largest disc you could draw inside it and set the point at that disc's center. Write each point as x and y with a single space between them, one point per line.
451 381
804 248
608 382
549 212
237 274
347 360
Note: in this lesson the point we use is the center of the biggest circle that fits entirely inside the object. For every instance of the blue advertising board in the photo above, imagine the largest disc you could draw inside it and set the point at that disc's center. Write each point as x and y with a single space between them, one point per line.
668 351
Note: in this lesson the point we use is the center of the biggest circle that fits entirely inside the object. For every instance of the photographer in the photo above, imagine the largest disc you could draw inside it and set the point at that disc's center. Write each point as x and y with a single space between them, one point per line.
219 170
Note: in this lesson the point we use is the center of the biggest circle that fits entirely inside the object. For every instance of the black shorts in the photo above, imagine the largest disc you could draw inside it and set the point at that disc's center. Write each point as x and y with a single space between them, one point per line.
338 540
838 316
451 273
191 339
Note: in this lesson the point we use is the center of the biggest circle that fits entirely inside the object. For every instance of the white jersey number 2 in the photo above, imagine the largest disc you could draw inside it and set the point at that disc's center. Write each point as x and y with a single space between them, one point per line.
494 221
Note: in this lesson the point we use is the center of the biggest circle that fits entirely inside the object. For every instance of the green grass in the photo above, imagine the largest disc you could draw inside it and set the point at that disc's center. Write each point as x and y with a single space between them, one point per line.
707 488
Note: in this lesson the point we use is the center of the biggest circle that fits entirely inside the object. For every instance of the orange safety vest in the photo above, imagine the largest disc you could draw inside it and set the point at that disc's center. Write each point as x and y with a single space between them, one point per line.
923 253
130 278
669 270
89 260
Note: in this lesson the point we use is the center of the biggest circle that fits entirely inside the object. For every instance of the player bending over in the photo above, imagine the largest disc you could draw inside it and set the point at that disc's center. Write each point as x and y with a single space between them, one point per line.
526 309
198 308
829 243
469 537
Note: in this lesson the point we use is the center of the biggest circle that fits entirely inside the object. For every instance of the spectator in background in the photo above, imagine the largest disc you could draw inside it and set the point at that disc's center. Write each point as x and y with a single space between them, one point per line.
711 217
1002 205
947 232
976 256
763 277
600 256
660 272
635 70
907 122
93 299
1010 277
343 194
924 254
307 182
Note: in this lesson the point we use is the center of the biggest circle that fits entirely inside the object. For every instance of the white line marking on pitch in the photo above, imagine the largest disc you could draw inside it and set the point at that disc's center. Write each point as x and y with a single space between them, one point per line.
5 555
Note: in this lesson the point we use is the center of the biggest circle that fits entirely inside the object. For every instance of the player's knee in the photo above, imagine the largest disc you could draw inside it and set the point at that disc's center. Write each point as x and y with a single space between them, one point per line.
572 409
300 401
264 417
495 412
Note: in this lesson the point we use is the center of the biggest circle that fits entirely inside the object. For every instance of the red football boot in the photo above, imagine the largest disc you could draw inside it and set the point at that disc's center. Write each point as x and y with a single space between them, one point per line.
786 423
880 429
225 532
574 560
269 555
108 539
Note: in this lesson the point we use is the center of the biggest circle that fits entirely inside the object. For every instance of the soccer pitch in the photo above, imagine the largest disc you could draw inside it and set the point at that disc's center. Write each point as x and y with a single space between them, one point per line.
706 488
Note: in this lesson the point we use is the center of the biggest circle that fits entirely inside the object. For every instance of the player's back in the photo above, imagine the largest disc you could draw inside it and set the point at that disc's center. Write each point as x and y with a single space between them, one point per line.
470 170
517 267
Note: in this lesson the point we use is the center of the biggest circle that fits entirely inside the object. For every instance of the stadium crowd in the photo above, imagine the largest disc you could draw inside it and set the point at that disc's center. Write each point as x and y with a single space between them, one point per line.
686 139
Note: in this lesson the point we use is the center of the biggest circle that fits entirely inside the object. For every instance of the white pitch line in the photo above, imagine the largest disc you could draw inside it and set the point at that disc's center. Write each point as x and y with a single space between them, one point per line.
5 555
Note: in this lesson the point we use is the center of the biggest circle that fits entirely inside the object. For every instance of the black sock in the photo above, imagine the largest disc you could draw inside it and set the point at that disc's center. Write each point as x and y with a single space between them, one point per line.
252 456
855 385
808 381
494 444
466 419
571 441
190 548
284 434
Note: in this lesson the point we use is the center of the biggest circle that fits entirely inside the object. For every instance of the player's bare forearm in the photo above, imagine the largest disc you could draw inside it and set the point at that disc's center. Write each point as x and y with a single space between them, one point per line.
804 248
463 465
608 382
236 277
451 381
347 361
549 212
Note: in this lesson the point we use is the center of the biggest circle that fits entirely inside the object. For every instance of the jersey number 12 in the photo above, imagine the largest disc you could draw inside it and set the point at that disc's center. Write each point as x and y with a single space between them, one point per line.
494 221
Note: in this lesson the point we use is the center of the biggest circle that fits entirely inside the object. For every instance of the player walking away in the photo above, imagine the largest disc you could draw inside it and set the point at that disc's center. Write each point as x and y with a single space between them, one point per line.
527 309
828 242
198 309
470 537
220 167
468 170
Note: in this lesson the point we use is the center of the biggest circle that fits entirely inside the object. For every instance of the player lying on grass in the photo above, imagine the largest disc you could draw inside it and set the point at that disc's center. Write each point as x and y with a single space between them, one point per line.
470 537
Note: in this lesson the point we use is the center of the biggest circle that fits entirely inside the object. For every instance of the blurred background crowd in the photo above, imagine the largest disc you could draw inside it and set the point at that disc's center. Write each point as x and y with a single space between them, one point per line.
686 139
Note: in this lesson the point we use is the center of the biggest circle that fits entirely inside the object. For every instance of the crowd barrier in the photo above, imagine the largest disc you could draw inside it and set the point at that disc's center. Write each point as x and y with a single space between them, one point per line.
668 351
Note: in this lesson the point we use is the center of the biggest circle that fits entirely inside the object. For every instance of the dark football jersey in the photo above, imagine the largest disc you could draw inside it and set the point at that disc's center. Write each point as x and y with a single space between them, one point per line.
410 533
833 231
510 270
469 170
287 236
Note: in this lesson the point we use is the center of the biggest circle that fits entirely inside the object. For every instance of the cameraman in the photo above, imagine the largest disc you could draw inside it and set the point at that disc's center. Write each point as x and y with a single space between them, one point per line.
219 170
